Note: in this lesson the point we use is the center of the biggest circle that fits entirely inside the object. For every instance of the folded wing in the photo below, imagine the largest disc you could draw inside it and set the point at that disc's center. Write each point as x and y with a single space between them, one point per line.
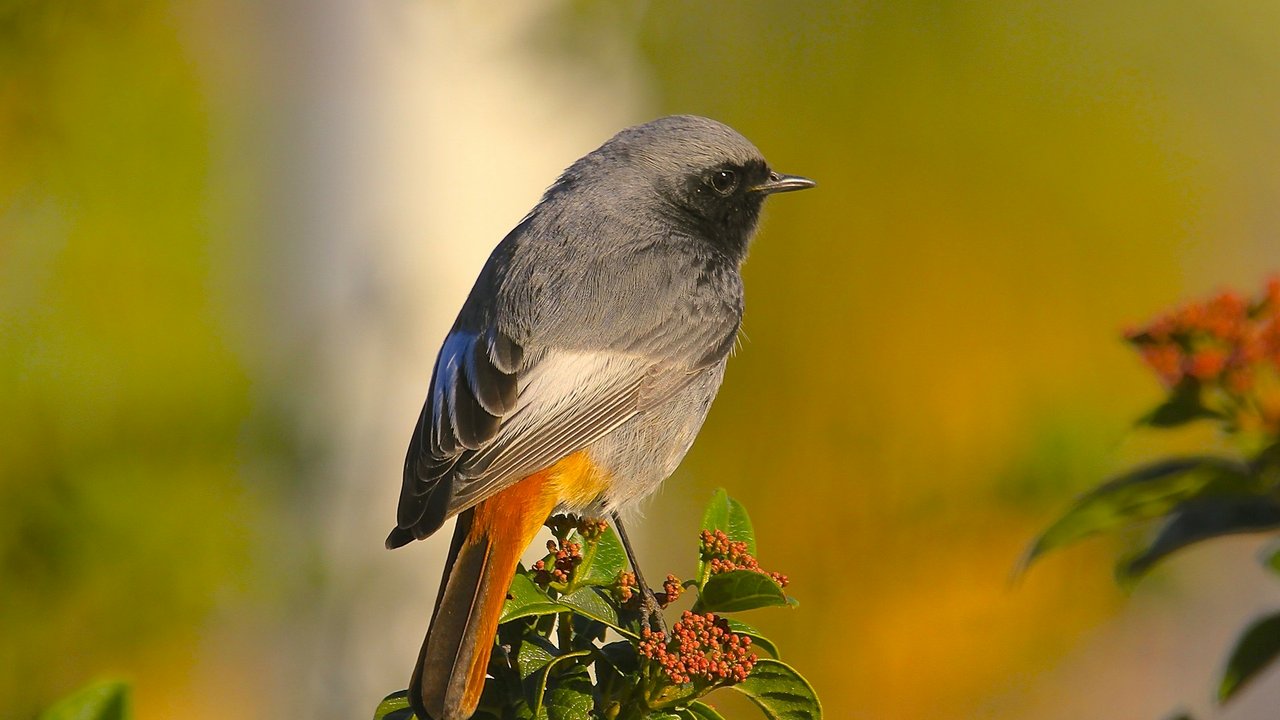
496 413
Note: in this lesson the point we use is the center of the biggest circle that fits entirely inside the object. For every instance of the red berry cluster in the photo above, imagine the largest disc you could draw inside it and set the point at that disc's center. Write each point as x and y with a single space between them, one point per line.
724 555
703 648
628 595
1227 344
565 556
626 587
670 591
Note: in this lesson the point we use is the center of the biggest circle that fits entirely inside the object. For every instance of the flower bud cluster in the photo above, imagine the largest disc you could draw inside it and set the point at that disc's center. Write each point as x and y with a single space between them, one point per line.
702 648
591 529
588 528
670 591
627 587
627 591
1228 345
565 557
724 555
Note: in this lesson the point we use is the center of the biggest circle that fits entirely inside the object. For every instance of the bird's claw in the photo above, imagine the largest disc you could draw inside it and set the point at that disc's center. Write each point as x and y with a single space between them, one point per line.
651 611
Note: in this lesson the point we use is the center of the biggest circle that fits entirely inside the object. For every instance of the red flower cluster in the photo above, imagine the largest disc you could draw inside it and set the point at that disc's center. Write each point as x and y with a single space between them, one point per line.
725 555
1227 344
565 557
702 648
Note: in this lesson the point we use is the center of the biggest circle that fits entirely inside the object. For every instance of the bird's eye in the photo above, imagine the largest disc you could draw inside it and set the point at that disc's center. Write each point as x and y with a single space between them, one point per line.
724 181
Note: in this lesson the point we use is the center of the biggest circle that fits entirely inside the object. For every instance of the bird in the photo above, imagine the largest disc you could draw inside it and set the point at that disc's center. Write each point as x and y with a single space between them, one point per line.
579 370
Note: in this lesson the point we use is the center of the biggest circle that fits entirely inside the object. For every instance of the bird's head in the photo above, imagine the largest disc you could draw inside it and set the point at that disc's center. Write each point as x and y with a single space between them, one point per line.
699 174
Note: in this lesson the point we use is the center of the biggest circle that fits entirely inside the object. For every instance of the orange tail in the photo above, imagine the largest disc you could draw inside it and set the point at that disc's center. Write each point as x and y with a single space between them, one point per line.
487 545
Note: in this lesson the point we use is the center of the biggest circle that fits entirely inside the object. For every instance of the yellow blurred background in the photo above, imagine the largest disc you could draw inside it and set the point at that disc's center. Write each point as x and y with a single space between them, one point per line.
232 236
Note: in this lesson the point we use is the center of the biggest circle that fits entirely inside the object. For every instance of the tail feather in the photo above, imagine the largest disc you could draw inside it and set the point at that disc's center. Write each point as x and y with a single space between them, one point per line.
486 548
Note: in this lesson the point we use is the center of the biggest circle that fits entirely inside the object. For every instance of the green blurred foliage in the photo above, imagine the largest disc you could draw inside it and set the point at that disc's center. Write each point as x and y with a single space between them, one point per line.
123 509
103 700
1219 360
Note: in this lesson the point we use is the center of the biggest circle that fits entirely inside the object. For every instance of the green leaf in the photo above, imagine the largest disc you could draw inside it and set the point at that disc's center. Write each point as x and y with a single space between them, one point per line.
1144 493
526 599
103 700
716 516
1184 405
780 692
739 590
586 631
602 560
757 640
621 656
535 653
570 698
1257 648
1203 518
740 527
394 707
728 515
537 686
590 602
700 711
502 699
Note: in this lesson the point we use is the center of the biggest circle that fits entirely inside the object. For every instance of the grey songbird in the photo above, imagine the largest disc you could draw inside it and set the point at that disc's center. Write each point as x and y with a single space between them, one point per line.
579 370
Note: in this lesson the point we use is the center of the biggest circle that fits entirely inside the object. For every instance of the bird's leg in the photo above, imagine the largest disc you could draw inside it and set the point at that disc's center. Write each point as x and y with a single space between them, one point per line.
652 610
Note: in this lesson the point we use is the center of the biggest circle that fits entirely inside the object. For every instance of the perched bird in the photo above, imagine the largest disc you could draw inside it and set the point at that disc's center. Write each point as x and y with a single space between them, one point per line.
579 370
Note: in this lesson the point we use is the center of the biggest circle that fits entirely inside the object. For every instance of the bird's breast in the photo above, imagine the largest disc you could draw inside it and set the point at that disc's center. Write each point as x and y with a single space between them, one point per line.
636 457
578 480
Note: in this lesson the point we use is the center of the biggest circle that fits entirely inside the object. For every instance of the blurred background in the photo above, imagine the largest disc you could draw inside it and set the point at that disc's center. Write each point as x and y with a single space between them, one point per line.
233 235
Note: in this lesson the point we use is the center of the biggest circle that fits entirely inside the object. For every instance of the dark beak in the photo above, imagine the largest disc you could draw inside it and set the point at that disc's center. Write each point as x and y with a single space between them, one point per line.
778 183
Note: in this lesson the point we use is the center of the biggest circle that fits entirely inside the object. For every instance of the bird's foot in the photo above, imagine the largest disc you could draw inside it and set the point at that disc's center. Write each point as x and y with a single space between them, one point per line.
651 611
650 608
